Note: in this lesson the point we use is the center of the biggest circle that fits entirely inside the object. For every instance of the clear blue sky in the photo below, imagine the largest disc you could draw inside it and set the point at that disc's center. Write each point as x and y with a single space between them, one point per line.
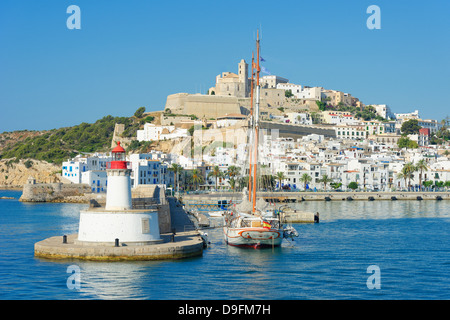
130 54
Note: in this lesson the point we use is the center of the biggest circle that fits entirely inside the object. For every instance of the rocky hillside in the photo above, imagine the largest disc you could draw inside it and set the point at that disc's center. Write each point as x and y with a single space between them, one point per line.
14 173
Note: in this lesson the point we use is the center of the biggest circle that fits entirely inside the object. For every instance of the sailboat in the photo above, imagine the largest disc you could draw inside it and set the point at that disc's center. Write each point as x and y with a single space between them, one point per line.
259 228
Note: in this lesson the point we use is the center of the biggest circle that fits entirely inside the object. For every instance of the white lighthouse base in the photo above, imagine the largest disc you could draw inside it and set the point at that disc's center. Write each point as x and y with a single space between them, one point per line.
131 226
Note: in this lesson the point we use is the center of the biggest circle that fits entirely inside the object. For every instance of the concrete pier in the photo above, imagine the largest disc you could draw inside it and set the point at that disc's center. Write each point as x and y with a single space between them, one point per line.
296 216
187 244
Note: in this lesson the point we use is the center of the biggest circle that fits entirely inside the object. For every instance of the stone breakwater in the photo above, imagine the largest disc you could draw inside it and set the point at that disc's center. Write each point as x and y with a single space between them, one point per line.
56 192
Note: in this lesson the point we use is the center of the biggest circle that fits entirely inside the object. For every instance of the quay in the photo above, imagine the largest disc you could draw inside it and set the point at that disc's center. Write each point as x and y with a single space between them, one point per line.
187 244
293 197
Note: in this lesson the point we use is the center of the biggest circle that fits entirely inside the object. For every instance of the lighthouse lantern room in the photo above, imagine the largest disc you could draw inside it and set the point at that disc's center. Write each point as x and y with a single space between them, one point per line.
118 158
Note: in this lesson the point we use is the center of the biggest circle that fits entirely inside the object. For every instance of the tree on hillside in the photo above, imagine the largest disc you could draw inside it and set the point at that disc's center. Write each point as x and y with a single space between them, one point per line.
139 112
410 127
405 142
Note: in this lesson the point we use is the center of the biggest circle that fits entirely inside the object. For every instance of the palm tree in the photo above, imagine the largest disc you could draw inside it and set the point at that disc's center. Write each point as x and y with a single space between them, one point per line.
401 175
232 182
233 171
267 181
197 177
407 171
421 166
325 180
216 173
243 181
176 169
280 177
305 178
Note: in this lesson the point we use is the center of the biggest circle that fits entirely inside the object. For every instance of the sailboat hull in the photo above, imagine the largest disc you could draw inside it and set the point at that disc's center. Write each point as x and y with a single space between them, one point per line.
253 237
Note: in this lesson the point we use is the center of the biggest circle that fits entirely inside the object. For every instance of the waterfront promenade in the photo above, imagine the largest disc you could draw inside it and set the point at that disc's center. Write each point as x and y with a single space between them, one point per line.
321 196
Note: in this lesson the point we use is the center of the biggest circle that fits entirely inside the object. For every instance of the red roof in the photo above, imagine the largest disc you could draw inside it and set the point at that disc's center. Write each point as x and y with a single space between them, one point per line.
118 148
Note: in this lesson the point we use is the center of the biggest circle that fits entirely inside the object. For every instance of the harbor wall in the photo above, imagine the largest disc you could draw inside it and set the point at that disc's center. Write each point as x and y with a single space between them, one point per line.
321 196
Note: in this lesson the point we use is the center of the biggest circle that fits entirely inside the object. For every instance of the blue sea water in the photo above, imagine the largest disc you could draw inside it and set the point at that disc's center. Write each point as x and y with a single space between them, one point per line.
409 241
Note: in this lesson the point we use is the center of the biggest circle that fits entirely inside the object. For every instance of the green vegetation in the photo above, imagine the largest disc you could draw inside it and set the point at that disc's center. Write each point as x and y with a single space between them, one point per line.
139 112
216 173
305 178
442 135
58 145
405 142
288 93
336 185
368 113
410 127
139 146
28 164
280 176
325 180
353 185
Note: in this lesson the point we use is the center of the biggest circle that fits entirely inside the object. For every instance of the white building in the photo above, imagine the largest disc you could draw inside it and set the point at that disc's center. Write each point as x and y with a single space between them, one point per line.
72 169
298 118
433 125
271 82
383 110
152 132
229 120
97 180
407 116
146 170
306 92
352 132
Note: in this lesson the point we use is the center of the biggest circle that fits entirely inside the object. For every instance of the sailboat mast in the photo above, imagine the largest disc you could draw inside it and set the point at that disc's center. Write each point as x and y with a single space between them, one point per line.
250 178
256 122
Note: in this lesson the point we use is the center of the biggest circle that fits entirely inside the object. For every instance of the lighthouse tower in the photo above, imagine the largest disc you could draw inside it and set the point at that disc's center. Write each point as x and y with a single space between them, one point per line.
118 196
118 219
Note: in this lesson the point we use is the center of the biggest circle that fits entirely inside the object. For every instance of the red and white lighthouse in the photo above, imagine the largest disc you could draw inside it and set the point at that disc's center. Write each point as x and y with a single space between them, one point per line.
118 194
118 220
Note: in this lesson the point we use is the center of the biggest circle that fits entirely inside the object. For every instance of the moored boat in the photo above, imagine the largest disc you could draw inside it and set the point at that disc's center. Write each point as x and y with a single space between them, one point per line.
256 231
